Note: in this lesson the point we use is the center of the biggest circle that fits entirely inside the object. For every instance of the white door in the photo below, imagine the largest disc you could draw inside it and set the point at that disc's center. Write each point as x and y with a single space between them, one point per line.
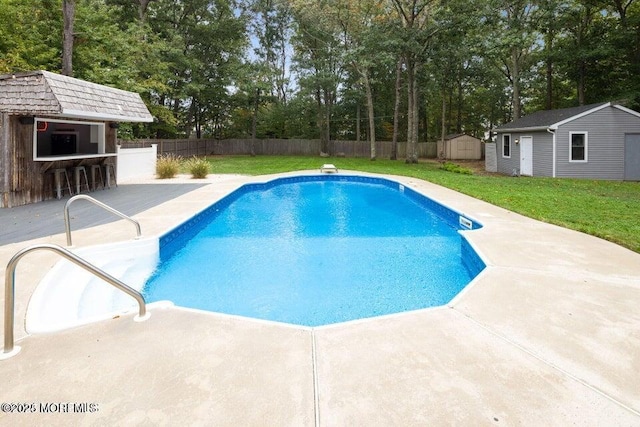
526 155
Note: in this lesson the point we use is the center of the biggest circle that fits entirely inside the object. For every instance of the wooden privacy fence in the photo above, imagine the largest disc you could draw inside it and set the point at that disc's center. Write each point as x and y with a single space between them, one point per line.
275 147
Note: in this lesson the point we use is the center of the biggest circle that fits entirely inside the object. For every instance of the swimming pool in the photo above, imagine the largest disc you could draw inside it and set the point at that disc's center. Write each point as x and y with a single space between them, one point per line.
316 250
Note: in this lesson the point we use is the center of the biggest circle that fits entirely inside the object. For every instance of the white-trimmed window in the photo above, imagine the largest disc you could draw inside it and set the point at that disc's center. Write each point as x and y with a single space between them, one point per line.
506 145
57 138
578 147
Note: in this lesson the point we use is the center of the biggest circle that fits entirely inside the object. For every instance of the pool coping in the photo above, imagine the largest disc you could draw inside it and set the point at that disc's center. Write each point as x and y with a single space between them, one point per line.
558 308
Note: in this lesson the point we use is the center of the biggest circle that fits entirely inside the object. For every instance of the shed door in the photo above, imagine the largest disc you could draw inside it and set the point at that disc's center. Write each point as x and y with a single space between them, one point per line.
526 155
632 157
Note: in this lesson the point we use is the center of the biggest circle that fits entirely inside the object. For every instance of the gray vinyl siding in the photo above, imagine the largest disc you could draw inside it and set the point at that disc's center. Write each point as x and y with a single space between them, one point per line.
605 144
507 165
542 154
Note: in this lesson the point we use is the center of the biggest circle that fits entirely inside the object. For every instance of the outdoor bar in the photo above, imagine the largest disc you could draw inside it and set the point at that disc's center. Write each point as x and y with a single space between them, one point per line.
58 135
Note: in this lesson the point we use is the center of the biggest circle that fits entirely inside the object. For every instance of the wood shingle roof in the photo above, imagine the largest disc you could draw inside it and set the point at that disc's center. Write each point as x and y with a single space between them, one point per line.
46 93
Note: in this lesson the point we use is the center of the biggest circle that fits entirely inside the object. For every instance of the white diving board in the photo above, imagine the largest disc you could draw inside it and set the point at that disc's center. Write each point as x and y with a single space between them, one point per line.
328 168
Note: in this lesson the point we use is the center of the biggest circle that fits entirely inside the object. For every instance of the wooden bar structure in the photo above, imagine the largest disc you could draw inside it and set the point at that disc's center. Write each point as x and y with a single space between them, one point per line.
48 122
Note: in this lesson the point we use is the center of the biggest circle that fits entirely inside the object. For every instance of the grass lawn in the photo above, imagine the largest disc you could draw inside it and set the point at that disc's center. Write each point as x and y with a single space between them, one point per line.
607 209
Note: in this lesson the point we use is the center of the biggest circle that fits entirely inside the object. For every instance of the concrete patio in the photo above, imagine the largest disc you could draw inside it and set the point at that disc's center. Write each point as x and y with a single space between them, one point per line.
548 334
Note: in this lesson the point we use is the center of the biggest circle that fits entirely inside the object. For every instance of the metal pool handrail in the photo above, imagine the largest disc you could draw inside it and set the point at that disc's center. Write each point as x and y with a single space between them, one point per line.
9 289
67 223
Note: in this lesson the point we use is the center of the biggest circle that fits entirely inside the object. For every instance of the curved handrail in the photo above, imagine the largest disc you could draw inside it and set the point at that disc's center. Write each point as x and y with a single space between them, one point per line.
9 287
67 223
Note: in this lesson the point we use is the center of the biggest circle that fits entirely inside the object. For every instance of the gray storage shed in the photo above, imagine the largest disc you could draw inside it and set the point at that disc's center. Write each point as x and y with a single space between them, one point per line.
597 141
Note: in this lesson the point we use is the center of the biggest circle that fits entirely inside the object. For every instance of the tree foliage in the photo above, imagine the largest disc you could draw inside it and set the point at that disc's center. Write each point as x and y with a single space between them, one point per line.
410 70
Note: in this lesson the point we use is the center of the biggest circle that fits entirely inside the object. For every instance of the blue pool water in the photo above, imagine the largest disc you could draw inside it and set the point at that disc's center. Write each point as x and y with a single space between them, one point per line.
315 251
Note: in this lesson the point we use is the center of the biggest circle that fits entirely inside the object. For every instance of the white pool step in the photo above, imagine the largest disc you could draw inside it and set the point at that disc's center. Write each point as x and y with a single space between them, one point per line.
69 296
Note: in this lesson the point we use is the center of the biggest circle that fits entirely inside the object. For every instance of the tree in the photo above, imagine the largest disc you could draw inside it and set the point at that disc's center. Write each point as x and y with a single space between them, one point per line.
416 17
355 22
584 46
451 65
68 13
271 26
319 66
512 42
30 35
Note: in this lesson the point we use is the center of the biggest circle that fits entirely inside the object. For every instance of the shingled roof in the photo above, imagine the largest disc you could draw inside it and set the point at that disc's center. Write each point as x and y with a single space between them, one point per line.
50 94
545 119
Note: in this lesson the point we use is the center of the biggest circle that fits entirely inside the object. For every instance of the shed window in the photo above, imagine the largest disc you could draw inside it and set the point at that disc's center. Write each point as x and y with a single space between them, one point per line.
506 145
578 147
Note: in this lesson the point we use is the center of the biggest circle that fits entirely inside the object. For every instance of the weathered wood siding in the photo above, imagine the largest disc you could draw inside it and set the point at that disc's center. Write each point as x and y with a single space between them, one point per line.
275 147
5 159
605 144
24 181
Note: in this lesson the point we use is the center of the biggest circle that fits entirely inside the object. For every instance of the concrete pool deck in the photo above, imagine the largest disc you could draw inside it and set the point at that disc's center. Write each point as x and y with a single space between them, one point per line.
548 334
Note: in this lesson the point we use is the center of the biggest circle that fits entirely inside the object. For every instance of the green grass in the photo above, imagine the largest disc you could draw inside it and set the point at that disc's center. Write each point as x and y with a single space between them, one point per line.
607 209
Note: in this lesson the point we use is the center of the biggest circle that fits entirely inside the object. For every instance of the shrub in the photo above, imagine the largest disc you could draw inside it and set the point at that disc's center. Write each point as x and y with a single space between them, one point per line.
452 167
197 167
167 166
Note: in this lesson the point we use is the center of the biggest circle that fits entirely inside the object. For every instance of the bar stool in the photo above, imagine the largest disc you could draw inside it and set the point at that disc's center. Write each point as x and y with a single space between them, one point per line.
94 181
110 174
78 172
59 174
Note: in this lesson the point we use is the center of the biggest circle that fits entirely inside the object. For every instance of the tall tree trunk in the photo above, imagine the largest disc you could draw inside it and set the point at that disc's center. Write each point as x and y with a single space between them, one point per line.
410 81
254 122
198 123
68 16
142 9
515 75
426 121
254 118
460 101
327 118
324 144
189 119
416 118
412 112
549 38
582 78
443 129
549 77
396 111
370 112
450 111
358 122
